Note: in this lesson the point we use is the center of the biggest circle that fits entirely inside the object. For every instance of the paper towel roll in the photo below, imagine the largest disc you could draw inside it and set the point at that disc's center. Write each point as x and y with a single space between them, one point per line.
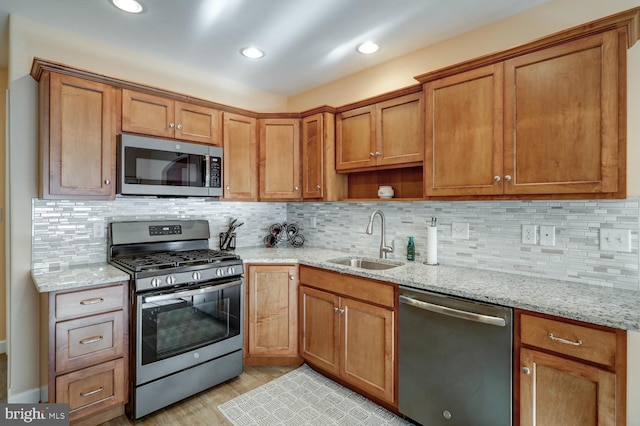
432 245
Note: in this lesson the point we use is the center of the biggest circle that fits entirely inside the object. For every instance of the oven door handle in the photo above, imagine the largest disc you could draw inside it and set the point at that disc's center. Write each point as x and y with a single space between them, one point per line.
203 290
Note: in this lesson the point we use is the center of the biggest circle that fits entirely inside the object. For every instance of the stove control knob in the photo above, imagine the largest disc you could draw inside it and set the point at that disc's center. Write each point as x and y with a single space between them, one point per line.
196 276
155 282
219 272
171 279
231 270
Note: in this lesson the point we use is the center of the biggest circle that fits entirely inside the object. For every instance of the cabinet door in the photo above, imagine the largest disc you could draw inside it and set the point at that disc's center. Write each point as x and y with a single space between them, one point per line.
198 124
367 347
557 391
561 118
463 154
279 159
400 133
356 139
272 304
79 139
319 328
147 114
240 157
313 156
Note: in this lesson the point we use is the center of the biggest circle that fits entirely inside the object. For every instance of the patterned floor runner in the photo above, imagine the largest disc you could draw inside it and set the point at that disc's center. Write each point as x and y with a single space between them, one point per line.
305 397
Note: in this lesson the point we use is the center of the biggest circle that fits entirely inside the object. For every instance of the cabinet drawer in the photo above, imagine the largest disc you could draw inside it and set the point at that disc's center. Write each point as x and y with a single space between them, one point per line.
90 340
586 343
93 389
349 285
89 302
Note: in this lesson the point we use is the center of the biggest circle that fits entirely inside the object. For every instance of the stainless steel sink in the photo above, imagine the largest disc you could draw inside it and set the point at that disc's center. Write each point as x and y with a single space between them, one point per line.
366 263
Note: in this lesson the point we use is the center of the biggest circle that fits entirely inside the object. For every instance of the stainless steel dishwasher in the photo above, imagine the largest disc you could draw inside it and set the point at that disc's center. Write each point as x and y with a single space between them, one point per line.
455 360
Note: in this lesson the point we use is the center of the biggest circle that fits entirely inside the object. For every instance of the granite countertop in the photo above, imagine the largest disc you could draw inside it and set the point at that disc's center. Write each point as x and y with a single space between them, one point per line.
585 302
77 277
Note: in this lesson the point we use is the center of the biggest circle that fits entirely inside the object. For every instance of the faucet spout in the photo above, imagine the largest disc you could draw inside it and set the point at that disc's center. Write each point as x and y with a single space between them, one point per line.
384 248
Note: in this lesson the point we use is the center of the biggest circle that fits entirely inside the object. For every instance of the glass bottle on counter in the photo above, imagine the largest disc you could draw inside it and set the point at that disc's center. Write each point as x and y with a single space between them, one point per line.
411 249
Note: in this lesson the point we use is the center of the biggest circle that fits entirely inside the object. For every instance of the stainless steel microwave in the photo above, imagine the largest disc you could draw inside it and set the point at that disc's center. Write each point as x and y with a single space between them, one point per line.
167 168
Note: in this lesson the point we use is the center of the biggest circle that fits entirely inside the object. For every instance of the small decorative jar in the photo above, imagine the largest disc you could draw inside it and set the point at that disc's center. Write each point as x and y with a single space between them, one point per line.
385 192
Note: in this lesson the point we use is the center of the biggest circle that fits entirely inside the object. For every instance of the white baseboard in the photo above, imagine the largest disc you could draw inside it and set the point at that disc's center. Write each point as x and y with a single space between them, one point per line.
31 396
3 346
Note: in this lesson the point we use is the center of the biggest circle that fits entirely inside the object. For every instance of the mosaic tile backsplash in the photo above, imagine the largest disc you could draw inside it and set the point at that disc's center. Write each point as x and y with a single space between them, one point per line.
64 234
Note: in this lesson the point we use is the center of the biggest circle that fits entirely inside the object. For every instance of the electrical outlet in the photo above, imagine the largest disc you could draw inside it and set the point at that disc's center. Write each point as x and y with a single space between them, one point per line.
547 235
460 230
98 230
529 235
313 224
615 240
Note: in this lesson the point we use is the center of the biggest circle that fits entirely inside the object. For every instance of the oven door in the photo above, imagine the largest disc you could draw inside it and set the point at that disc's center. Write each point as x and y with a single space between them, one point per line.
179 329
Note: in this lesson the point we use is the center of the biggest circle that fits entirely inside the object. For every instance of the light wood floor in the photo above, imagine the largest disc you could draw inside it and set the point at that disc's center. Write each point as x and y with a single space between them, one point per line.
202 409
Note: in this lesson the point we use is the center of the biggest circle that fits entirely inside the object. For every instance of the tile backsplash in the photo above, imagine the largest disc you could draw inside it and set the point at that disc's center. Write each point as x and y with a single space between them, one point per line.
69 232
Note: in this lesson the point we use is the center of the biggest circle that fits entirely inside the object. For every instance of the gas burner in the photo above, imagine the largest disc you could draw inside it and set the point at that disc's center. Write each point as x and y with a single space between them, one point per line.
172 259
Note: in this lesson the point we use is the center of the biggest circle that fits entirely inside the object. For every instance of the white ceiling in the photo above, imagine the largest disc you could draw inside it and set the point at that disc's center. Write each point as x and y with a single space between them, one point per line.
307 42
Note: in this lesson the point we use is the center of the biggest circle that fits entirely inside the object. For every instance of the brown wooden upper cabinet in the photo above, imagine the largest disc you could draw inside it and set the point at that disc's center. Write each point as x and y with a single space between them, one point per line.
545 122
279 158
157 116
77 138
240 157
313 131
388 134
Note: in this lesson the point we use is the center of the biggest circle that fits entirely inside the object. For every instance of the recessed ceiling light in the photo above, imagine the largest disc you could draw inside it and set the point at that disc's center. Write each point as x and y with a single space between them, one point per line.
252 52
368 47
131 6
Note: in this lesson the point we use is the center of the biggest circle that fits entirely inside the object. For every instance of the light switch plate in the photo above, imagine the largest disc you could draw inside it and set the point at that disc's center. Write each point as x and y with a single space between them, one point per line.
529 234
460 230
547 235
615 240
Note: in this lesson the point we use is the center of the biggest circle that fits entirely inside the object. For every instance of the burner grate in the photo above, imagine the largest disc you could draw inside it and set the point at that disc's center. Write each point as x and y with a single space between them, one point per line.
170 259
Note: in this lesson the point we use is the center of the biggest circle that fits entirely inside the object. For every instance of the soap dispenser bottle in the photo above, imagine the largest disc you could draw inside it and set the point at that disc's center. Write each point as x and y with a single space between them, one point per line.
411 249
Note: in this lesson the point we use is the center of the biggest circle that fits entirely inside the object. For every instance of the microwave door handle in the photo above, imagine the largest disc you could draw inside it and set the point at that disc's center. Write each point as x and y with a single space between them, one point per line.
207 171
203 290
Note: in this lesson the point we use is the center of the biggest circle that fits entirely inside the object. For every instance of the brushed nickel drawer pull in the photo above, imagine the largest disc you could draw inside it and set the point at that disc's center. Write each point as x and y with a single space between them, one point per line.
89 340
92 301
93 392
566 342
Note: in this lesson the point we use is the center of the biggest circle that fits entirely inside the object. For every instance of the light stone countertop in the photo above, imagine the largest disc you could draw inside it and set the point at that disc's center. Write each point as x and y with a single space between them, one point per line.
77 277
584 302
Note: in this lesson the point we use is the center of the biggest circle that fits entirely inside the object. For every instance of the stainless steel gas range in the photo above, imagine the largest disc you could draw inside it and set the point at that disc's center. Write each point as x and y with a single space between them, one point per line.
187 310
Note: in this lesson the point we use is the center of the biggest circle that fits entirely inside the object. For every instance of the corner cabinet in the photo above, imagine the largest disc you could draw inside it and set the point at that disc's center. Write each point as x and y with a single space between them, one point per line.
85 351
271 315
158 116
240 157
77 138
569 373
544 122
279 140
319 178
388 134
348 330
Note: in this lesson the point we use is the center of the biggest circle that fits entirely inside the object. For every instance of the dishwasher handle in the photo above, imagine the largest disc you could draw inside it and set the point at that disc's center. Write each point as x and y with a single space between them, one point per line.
439 309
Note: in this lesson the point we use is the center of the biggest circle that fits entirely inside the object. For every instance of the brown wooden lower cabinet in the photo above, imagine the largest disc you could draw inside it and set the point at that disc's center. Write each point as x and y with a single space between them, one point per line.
569 373
84 351
271 315
347 329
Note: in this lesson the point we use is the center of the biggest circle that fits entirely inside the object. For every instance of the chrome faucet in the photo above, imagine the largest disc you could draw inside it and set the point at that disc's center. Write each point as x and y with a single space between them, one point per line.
384 248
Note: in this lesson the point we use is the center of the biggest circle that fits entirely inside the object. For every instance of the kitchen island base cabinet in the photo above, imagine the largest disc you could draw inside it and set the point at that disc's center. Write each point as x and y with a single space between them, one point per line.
271 325
347 329
570 373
